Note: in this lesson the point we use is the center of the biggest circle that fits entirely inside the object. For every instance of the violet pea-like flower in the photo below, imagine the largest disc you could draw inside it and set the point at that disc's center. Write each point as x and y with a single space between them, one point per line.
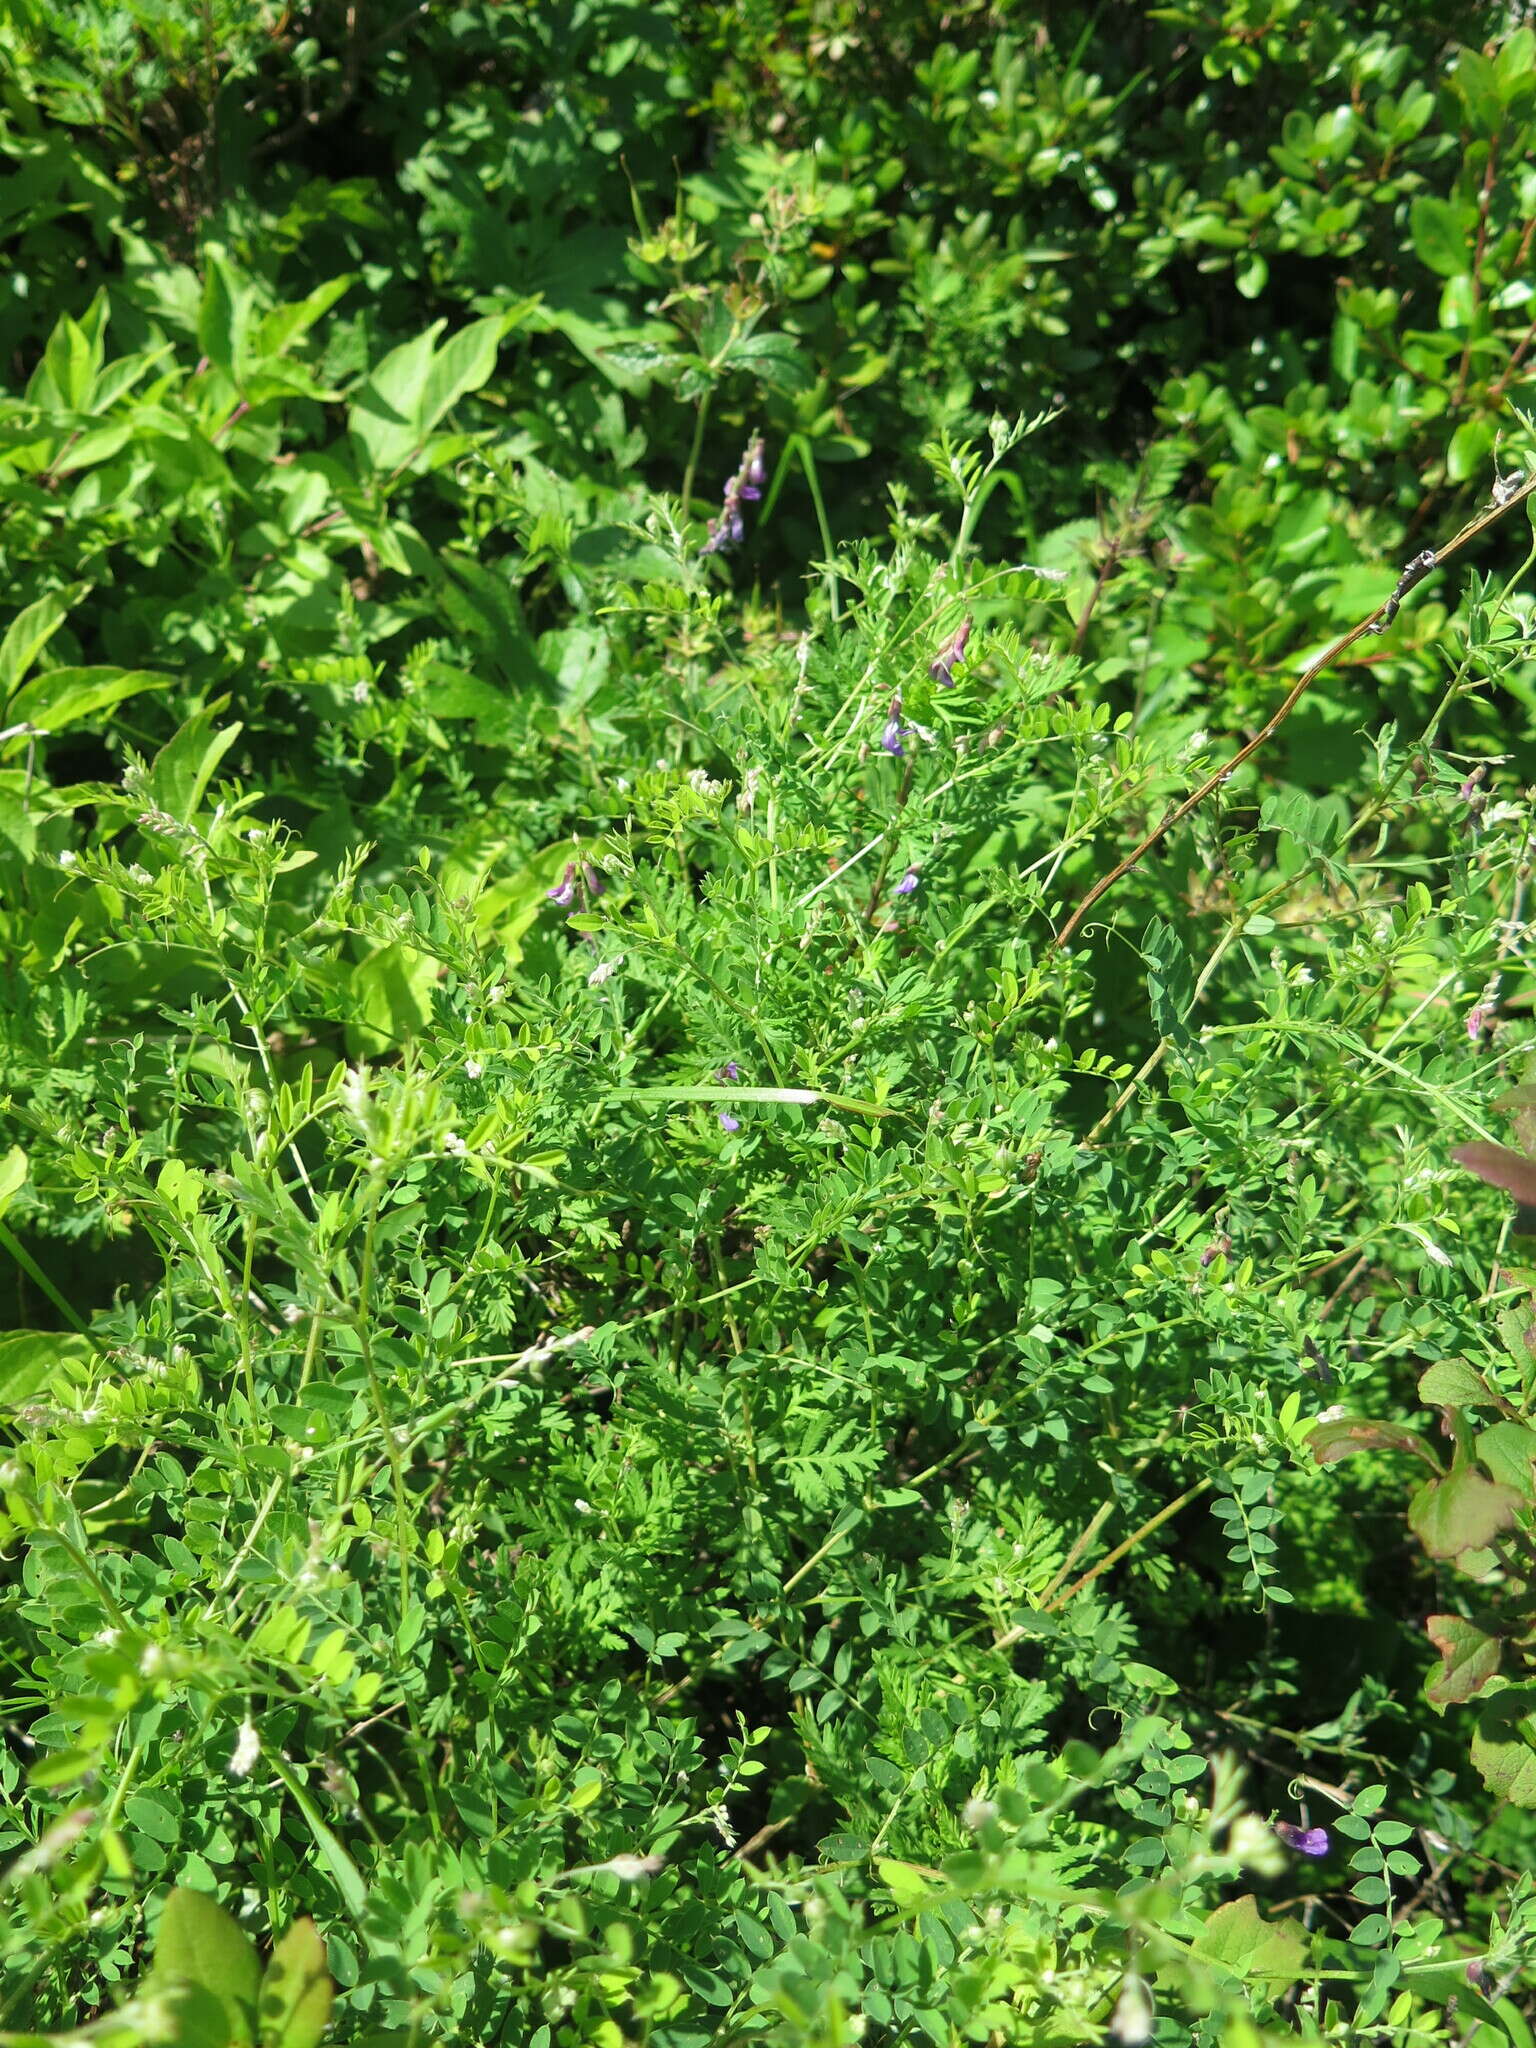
1305 1841
907 883
564 891
895 732
942 667
729 529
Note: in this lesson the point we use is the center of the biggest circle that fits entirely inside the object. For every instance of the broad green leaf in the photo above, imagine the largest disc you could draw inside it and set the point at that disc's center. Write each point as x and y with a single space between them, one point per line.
1452 1383
775 360
1462 1511
1239 1939
1515 65
1507 1452
30 1360
200 1941
1470 450
1469 1659
460 366
1440 238
27 635
384 411
13 1176
1476 85
909 1887
64 696
178 779
280 328
1504 1745
70 363
1341 1437
391 997
223 316
295 2003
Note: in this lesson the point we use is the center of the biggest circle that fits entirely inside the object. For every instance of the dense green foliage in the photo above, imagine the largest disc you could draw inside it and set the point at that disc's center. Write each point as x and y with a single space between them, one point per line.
632 1412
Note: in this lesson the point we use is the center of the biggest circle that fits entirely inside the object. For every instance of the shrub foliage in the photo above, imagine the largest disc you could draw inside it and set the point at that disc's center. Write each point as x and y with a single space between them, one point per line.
633 1410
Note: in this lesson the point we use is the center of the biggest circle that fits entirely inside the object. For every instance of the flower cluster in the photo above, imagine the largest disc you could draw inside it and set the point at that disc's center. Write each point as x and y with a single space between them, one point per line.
729 530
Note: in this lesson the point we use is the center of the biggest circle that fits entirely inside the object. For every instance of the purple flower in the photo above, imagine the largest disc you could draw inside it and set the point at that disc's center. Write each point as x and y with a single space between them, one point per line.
907 883
895 732
1305 1841
942 667
728 1122
729 528
1478 1020
564 891
729 1072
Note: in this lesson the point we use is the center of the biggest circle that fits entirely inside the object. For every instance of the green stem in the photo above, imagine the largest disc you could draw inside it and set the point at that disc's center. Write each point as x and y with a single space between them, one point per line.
695 451
39 1278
